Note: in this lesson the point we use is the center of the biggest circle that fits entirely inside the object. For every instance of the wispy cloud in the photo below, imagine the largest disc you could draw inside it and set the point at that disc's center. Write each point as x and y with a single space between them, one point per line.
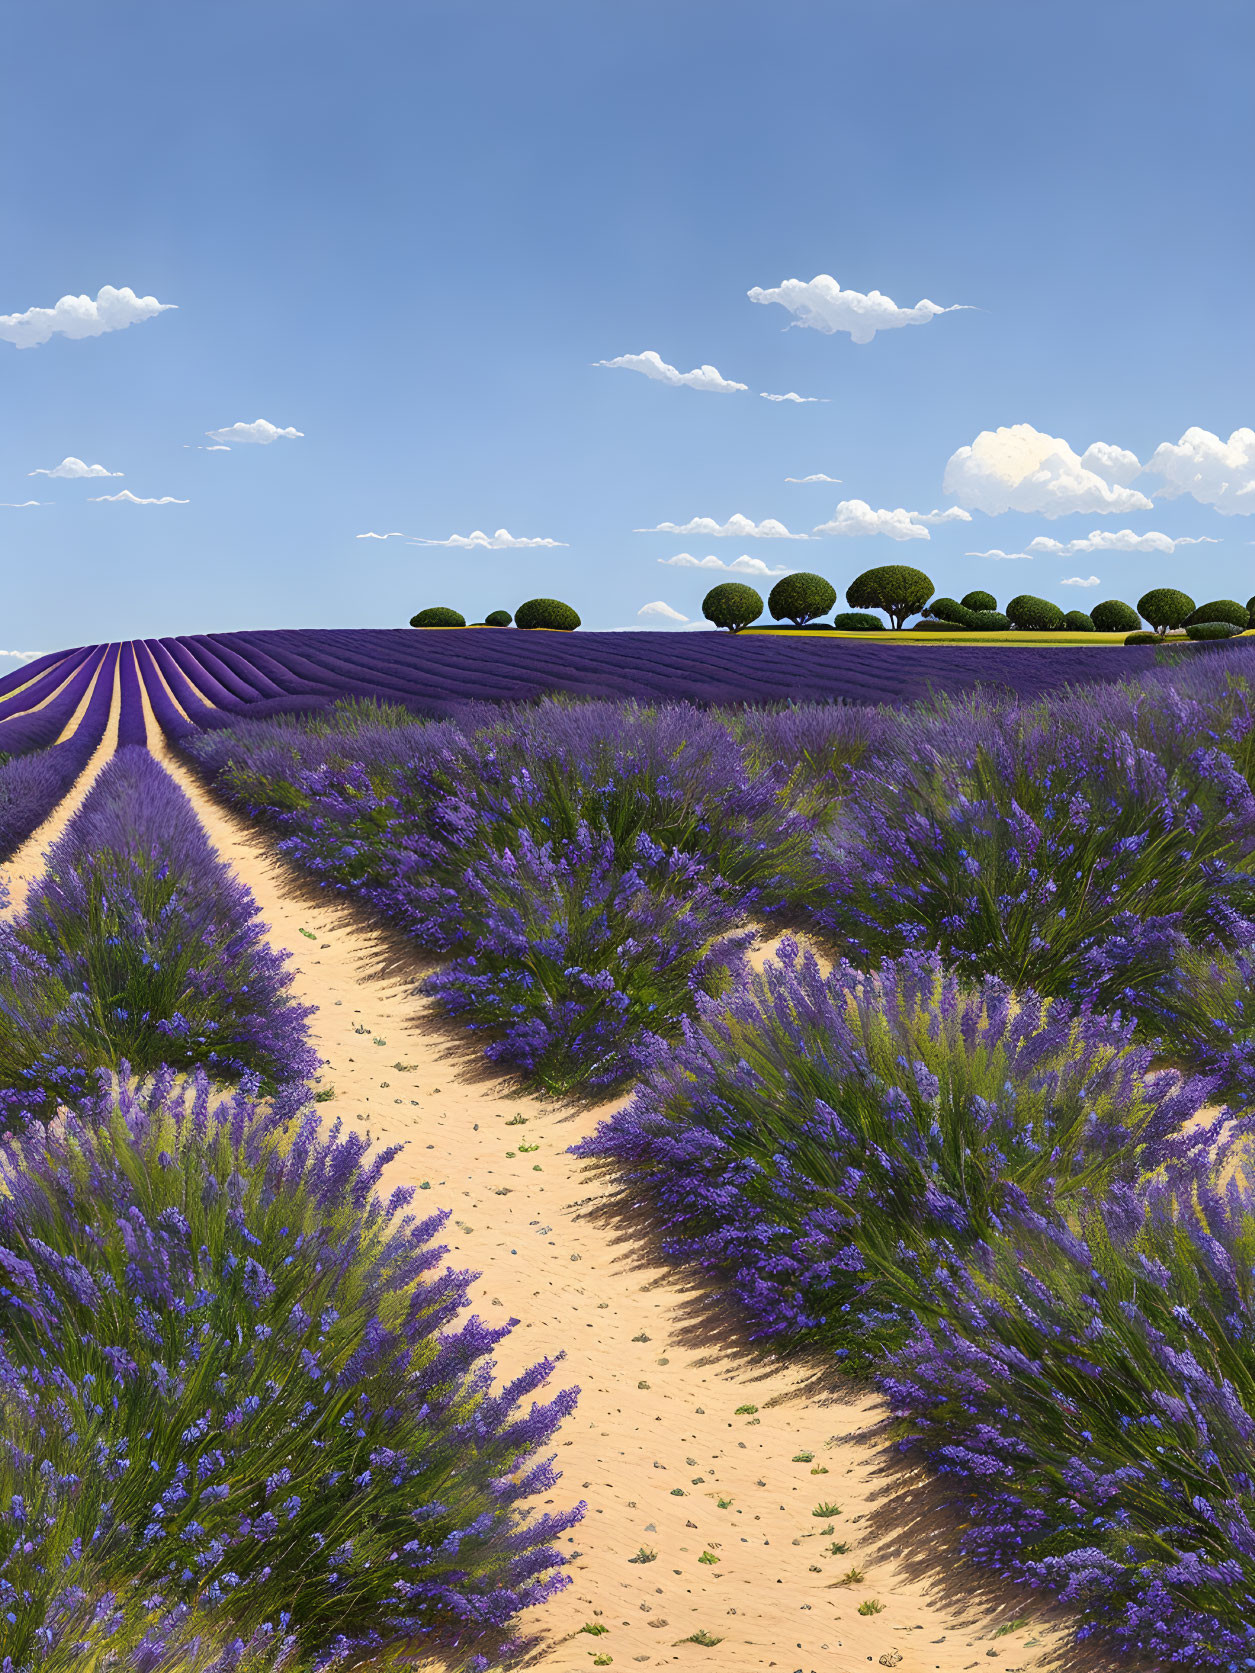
22 656
392 534
662 611
998 554
818 477
71 468
654 366
502 541
801 400
20 505
1080 581
856 517
79 316
821 304
127 497
936 519
741 527
260 431
743 565
1116 540
1018 468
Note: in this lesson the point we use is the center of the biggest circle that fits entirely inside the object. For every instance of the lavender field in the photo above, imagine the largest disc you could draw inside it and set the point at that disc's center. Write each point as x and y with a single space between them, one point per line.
975 1136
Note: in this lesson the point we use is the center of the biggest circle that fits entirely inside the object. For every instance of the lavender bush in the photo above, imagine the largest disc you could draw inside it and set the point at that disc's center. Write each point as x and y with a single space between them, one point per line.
579 962
808 1125
1090 1392
236 1383
138 944
1076 847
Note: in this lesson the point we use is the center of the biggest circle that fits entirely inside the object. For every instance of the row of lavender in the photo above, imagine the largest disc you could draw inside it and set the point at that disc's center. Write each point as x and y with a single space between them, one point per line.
964 1174
247 1422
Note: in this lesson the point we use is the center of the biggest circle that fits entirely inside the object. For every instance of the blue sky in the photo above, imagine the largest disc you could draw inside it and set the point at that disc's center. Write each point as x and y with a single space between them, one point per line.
408 231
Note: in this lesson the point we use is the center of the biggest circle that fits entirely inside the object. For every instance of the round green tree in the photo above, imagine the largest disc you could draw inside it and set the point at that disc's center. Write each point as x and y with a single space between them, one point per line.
895 588
949 610
857 621
989 621
1165 608
1113 615
546 612
979 601
1221 610
498 618
1034 615
1076 621
732 605
801 598
439 615
1212 630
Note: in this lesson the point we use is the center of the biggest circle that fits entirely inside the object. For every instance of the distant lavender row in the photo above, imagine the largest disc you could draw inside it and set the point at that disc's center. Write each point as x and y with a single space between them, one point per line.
32 785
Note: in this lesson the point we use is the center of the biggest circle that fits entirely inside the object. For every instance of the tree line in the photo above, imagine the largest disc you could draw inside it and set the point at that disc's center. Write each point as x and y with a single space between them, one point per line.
900 592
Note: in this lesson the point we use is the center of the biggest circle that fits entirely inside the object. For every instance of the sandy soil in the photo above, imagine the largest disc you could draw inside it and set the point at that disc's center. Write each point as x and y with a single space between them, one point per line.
703 1467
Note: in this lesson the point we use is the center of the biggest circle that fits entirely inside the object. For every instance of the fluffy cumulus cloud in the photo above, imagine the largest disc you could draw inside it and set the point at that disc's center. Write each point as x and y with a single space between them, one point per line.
72 468
819 476
856 517
802 400
654 366
661 612
1018 468
821 304
744 565
79 316
743 528
260 431
1081 581
502 541
126 497
1115 540
1214 472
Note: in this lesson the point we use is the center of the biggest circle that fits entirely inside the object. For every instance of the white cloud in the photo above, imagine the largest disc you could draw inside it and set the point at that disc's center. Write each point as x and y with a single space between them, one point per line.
20 505
71 467
661 610
824 306
654 366
1116 540
130 499
743 565
260 430
502 541
22 656
1113 464
1018 468
392 534
802 400
79 316
818 477
856 517
1214 472
999 554
935 519
740 526
1078 581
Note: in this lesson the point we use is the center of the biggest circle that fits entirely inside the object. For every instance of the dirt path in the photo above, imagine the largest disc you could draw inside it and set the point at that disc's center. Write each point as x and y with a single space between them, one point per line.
683 1450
